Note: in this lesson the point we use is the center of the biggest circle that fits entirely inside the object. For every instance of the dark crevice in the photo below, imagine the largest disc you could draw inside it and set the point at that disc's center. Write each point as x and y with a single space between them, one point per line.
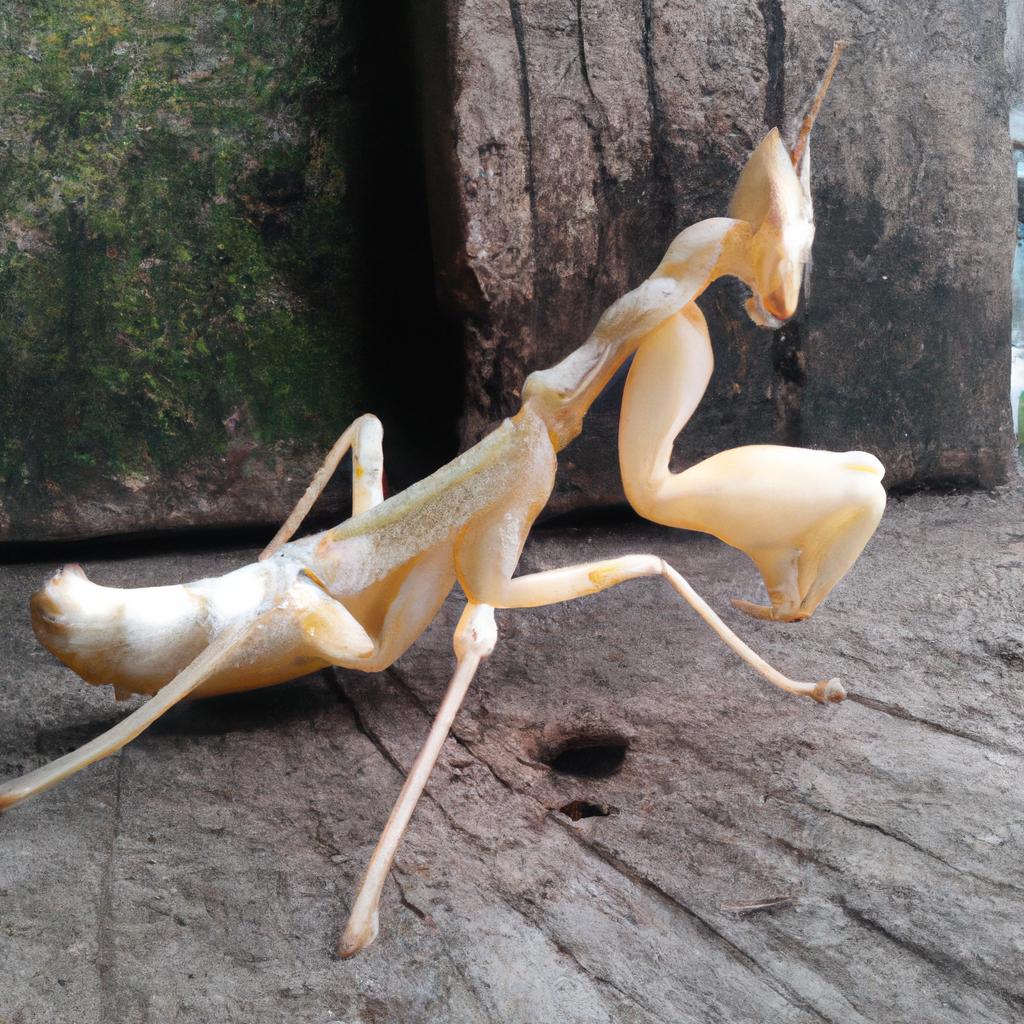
136 545
946 965
788 359
504 372
456 962
582 50
587 755
516 14
604 188
403 898
789 376
413 356
775 62
577 810
661 171
519 30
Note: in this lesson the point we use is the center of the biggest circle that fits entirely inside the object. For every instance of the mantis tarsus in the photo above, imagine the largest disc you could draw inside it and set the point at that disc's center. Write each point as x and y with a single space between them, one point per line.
358 595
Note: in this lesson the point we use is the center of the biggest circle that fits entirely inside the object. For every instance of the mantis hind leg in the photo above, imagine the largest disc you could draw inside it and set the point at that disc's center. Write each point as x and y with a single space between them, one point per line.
184 683
306 625
365 436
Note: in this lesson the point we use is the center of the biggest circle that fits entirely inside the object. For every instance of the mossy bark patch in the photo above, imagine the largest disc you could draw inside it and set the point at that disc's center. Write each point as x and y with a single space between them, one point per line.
176 246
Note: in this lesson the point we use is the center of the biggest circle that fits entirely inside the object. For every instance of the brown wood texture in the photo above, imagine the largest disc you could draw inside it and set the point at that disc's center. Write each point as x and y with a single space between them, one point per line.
570 141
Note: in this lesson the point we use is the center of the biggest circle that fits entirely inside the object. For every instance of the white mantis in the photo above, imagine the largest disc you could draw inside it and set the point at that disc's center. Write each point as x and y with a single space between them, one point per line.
358 595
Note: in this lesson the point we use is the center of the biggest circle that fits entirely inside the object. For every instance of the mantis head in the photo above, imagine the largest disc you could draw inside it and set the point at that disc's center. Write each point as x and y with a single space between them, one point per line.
775 200
773 196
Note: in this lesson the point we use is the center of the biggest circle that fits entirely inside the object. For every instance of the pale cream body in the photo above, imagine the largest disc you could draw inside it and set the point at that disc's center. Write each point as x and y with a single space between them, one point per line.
355 596
359 594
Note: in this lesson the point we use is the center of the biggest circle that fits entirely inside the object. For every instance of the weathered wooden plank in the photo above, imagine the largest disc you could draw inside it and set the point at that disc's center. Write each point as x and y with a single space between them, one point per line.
207 872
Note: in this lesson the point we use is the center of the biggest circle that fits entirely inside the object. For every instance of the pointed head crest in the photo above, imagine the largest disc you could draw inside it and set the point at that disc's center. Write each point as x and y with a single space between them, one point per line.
773 195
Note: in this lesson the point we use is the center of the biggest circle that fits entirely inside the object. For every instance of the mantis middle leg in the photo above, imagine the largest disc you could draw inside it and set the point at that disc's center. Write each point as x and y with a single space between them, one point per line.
485 578
475 637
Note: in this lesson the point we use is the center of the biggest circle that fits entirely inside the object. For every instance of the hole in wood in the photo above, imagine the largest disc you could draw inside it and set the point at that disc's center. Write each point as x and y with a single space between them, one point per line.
574 810
591 756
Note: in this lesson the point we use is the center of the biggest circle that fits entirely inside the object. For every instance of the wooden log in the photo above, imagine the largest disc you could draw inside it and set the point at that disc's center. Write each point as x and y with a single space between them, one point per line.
205 873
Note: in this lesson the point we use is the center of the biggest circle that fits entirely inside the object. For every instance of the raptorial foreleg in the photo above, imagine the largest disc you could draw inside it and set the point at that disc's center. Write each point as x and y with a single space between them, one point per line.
803 516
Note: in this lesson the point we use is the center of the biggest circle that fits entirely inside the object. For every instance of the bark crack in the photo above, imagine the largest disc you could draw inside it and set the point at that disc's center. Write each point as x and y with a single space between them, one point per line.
661 172
565 951
525 100
646 49
735 951
897 711
775 62
596 122
396 675
933 957
624 870
924 851
361 725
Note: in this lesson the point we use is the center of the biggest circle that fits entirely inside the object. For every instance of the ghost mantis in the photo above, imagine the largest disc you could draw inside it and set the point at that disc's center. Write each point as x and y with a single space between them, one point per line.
358 595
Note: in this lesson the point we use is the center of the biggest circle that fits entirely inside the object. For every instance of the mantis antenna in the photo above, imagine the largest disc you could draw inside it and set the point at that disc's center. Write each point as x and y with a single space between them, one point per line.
808 122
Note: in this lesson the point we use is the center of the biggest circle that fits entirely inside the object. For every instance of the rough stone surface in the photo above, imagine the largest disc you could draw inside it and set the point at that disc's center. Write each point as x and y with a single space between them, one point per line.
176 260
577 138
204 873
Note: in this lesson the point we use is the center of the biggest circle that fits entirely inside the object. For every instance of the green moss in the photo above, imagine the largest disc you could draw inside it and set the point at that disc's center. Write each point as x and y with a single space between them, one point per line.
175 244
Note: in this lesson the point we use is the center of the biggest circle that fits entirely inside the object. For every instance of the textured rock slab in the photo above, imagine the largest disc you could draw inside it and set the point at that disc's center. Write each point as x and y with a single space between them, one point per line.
204 873
577 138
